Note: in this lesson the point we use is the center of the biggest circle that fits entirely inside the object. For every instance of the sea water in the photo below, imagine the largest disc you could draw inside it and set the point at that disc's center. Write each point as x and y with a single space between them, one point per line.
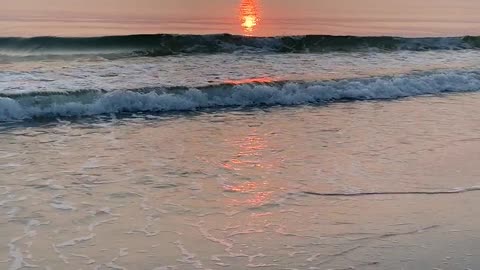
229 152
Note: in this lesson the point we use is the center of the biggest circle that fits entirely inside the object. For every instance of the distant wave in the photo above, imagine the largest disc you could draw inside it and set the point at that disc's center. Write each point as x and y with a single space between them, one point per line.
93 102
168 44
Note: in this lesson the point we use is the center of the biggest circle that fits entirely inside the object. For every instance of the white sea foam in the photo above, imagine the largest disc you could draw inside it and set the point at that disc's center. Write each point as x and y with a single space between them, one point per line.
293 93
62 205
75 241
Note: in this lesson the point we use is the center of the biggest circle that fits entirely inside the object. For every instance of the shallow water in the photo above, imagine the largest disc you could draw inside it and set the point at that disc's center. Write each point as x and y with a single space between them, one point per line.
76 73
230 188
36 86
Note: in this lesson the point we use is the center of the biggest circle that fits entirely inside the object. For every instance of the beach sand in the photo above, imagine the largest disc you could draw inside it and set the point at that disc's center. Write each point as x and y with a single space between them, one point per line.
231 189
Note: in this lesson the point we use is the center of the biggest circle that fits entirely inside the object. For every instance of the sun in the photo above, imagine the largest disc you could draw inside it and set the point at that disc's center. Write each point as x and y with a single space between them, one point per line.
249 23
249 16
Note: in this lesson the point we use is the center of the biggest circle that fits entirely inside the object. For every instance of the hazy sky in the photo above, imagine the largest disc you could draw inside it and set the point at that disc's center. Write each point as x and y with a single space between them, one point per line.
272 17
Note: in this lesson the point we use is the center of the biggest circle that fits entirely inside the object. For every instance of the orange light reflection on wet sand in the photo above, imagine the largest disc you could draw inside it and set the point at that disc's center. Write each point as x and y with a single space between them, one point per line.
249 159
252 80
249 16
249 154
257 193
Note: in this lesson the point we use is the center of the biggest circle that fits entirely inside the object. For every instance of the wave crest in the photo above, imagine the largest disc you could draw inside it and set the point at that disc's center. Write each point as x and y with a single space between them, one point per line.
75 104
168 44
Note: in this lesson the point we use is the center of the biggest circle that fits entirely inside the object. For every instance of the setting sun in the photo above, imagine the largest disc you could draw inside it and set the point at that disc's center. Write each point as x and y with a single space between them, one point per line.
249 22
249 15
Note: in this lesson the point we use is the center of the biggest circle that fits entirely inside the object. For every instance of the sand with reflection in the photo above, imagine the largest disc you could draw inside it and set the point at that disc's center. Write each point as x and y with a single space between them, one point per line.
154 193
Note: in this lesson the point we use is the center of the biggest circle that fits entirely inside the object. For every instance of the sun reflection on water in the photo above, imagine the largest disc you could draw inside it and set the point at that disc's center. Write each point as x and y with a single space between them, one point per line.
249 154
264 80
250 160
249 16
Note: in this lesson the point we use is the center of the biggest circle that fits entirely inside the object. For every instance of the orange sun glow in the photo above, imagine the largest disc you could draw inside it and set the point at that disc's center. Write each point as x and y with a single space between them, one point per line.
249 16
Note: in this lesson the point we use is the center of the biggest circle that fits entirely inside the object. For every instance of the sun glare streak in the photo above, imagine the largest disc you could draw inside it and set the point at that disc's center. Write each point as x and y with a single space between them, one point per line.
250 160
249 17
252 80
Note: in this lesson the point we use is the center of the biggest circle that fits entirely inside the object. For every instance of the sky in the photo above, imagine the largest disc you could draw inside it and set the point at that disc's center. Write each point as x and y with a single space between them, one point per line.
247 17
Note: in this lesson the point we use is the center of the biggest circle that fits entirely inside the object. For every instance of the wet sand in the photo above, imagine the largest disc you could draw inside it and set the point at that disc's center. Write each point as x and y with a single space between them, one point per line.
361 185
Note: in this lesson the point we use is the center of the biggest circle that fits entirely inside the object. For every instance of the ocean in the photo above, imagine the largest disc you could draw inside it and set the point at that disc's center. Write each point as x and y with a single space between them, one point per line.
48 77
234 152
315 135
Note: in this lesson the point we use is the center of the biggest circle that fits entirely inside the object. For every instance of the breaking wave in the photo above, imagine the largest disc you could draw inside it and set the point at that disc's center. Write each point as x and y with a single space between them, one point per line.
93 102
169 44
